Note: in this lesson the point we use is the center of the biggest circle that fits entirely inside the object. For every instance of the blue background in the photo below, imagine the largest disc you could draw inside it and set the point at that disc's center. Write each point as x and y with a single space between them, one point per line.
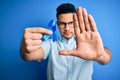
15 15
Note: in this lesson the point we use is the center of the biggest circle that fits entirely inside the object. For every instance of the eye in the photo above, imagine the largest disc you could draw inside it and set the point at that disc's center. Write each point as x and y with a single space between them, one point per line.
70 24
61 24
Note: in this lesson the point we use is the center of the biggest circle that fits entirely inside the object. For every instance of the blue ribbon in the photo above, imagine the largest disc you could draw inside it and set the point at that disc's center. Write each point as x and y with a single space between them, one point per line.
51 26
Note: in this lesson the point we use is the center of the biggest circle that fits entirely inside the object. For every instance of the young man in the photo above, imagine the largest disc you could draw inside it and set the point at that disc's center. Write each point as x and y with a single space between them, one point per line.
71 56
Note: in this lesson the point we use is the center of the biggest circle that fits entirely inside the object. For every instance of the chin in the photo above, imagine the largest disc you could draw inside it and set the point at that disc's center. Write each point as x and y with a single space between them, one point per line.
68 37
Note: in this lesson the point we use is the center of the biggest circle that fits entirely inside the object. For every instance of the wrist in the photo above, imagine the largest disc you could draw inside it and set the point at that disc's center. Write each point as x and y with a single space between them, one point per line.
103 59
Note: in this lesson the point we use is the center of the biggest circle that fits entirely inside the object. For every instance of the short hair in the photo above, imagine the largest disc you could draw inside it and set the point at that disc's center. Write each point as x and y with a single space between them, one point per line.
65 8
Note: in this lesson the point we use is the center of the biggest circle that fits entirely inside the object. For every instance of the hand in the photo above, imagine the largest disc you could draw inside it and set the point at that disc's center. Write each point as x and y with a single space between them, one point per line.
32 39
89 45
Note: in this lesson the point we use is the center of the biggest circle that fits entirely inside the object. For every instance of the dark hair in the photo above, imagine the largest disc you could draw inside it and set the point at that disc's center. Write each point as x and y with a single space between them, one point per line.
65 8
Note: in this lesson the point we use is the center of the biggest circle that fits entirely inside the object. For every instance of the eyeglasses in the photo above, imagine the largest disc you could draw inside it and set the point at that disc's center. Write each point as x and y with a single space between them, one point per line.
63 24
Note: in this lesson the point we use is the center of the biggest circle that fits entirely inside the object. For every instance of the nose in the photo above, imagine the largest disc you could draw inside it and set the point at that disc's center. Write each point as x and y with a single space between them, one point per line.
67 27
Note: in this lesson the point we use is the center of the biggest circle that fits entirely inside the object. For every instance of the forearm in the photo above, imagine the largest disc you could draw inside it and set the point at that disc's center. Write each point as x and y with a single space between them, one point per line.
105 58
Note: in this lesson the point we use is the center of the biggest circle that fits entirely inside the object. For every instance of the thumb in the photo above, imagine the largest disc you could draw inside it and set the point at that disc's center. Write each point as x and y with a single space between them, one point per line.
67 52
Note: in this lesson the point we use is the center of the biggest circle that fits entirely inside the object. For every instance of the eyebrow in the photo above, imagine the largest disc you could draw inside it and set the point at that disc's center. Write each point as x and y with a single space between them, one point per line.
65 22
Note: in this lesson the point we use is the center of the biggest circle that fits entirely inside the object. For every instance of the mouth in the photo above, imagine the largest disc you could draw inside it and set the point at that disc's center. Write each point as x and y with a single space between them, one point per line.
67 33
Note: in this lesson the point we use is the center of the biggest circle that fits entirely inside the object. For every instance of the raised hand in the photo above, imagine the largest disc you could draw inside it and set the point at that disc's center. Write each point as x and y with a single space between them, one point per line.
89 45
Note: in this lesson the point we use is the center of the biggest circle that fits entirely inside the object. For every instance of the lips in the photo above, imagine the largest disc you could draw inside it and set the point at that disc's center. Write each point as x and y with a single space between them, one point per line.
66 33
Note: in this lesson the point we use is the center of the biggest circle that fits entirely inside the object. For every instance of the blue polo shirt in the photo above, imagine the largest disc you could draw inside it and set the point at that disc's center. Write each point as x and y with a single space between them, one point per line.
62 67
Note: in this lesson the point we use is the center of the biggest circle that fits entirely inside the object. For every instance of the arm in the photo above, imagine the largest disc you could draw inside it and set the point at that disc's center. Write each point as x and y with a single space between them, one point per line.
30 48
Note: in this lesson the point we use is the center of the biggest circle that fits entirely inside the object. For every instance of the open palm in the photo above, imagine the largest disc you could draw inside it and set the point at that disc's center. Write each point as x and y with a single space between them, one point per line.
88 40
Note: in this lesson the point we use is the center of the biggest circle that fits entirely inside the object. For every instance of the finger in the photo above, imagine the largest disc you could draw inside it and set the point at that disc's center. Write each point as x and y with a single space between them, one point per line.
32 48
30 42
36 42
85 16
68 52
92 23
76 25
80 19
38 30
33 36
36 36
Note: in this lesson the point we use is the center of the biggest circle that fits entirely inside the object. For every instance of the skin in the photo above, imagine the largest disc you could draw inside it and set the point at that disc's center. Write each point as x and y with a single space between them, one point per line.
30 45
88 40
66 31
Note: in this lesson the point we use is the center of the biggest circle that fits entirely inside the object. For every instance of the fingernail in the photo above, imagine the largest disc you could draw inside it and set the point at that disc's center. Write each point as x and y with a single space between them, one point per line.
51 32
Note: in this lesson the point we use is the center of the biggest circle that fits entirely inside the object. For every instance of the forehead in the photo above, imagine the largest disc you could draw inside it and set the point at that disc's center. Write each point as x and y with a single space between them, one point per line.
66 17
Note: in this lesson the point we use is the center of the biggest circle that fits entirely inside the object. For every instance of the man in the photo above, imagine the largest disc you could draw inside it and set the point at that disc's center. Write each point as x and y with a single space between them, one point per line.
71 56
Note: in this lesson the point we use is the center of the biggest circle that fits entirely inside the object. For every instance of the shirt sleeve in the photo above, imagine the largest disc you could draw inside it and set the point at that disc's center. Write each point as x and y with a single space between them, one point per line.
46 45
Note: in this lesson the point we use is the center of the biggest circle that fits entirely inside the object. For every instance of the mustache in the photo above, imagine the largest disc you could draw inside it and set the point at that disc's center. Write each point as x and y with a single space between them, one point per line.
67 32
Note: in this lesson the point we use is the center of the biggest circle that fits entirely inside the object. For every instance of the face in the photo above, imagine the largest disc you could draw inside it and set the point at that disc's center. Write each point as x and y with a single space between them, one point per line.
65 24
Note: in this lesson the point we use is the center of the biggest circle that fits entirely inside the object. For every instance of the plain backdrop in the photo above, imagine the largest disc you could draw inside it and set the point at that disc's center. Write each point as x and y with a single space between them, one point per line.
16 15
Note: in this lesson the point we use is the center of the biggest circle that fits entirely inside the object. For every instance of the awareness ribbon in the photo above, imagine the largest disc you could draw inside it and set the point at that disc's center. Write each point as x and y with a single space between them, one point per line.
51 26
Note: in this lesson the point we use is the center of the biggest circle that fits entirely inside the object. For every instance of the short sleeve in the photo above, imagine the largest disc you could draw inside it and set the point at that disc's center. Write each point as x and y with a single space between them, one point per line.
46 45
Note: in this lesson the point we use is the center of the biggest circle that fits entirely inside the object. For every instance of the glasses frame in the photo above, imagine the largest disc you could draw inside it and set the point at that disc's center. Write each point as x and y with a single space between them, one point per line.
64 24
